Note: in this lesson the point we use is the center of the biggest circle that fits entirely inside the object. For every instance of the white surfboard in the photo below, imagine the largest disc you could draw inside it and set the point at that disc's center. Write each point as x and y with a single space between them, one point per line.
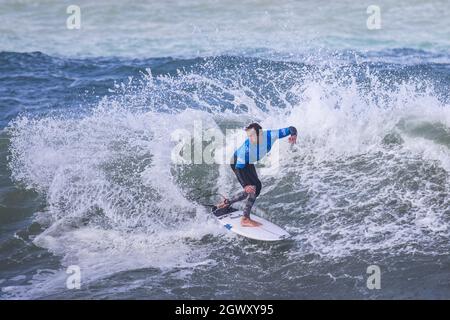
230 218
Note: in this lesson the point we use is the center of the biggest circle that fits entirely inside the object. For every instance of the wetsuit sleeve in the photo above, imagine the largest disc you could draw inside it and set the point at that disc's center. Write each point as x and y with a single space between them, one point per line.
287 131
284 132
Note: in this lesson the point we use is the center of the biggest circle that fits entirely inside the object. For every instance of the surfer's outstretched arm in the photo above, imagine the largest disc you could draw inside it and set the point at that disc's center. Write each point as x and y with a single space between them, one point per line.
282 133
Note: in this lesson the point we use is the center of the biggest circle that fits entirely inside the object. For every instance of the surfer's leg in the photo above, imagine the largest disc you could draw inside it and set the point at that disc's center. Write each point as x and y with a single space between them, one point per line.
249 204
228 202
247 177
251 179
251 197
254 180
240 175
239 197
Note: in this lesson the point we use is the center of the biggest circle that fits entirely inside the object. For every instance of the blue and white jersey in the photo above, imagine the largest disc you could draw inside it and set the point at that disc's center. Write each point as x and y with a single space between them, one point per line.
250 153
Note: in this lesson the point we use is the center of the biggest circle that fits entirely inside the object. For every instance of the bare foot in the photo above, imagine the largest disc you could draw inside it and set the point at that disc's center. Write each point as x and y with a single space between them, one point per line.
247 222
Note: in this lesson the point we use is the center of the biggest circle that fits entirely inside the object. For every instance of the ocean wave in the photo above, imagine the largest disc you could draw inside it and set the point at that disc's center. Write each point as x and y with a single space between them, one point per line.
370 174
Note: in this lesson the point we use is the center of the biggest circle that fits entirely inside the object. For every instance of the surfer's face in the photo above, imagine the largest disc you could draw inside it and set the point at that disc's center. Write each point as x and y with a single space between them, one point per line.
252 136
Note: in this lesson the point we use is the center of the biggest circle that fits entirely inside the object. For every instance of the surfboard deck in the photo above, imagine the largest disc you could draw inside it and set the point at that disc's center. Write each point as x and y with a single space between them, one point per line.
230 218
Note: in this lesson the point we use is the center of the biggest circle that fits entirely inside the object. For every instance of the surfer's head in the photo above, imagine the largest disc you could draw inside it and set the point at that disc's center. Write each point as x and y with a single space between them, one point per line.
253 131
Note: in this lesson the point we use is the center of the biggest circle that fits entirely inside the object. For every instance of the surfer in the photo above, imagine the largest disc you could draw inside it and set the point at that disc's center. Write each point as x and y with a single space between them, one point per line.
254 148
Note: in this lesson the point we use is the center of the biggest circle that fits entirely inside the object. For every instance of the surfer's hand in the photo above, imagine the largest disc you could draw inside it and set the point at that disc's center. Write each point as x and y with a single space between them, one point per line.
292 139
250 189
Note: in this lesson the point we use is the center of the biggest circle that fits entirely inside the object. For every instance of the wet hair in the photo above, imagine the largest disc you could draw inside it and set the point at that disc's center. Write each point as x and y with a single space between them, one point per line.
255 126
